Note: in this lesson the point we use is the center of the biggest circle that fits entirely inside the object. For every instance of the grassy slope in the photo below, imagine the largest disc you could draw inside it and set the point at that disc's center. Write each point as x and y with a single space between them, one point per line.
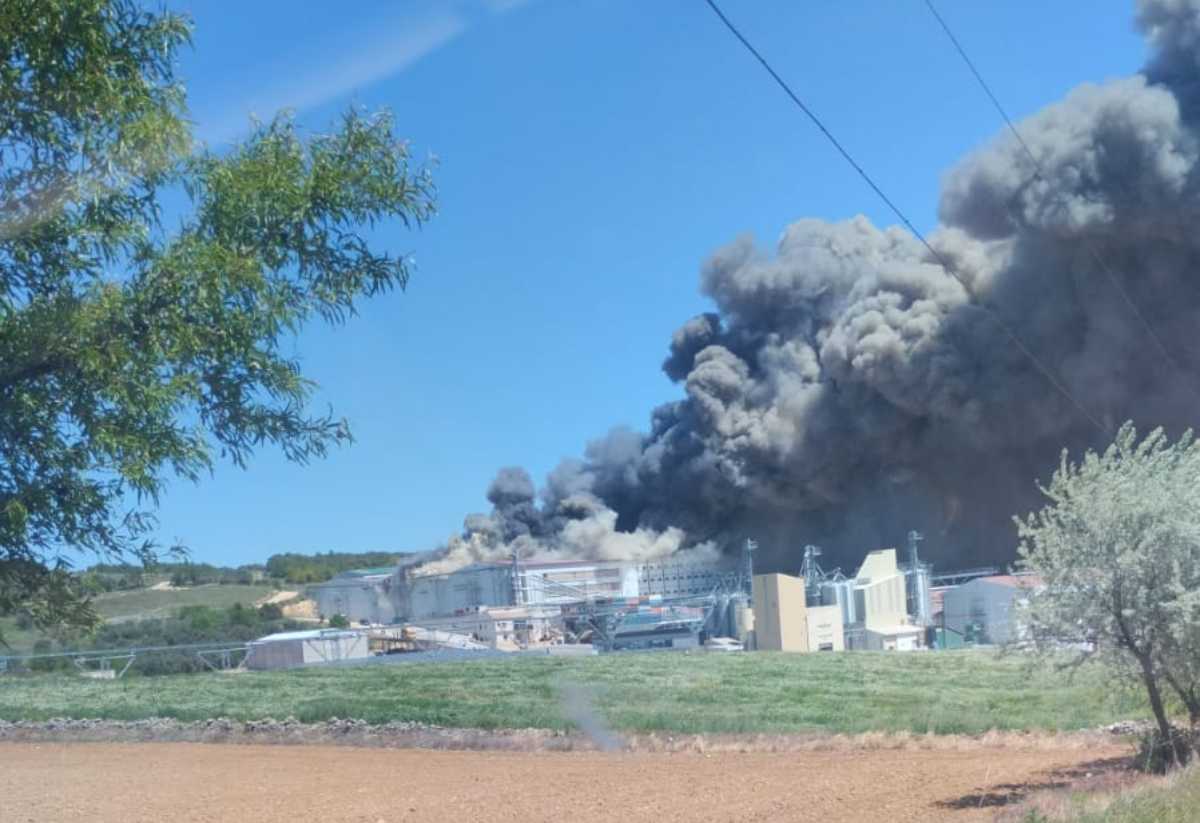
763 692
142 603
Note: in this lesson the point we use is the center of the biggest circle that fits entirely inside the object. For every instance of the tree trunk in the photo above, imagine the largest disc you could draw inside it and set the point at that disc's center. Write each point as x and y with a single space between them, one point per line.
1156 703
1189 698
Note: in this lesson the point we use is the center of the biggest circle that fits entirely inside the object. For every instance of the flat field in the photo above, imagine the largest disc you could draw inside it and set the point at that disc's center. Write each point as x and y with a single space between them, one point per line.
948 692
192 783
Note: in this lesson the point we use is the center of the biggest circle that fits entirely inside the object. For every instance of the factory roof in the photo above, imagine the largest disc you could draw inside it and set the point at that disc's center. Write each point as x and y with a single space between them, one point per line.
533 564
371 572
308 634
1016 581
356 577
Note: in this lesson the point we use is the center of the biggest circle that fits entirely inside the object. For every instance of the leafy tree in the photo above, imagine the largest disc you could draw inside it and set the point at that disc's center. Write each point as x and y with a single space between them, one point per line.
1118 549
130 351
339 621
317 568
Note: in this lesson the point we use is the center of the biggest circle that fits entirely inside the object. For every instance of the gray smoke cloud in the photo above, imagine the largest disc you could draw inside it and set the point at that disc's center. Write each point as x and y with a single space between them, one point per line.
848 388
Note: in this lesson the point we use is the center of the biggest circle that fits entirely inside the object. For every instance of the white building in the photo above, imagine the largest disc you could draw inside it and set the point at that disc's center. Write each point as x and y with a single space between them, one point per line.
874 605
506 628
534 583
902 637
396 595
990 604
287 650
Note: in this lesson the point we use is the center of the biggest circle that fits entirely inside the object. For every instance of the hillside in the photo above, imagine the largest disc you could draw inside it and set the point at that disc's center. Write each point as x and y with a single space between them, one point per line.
155 602
139 604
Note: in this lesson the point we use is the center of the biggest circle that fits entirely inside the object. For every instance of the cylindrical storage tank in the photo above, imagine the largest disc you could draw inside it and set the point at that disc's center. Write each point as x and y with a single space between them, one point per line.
744 621
920 607
840 593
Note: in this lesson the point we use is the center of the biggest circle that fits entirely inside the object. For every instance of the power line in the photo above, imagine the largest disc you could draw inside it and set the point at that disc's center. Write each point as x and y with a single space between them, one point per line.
1039 174
1008 331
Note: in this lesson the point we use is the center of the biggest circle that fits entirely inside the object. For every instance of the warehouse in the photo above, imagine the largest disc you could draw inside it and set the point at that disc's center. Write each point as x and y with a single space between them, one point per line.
290 649
362 595
542 583
987 609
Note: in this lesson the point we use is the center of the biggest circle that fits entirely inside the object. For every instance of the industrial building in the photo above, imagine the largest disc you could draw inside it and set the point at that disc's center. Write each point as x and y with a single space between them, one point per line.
680 578
675 603
658 627
290 649
544 583
362 595
506 628
784 621
394 595
987 609
883 607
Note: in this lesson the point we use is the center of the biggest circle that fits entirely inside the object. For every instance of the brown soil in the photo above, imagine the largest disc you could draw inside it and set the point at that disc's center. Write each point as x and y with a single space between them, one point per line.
190 783
278 597
301 610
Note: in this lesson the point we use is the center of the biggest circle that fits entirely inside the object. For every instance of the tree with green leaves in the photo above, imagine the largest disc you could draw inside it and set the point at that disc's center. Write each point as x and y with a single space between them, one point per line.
133 351
1118 550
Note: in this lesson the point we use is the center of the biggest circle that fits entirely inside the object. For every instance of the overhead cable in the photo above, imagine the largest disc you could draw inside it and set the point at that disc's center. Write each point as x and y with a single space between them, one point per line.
938 256
1039 174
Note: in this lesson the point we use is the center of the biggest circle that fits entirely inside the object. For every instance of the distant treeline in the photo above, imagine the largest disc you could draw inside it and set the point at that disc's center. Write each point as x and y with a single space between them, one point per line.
107 577
317 568
290 567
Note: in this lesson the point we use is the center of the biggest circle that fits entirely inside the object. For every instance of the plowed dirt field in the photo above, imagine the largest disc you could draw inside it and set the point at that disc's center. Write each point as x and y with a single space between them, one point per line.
190 783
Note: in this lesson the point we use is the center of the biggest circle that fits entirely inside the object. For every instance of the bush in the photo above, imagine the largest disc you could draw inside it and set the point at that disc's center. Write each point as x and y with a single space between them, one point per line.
47 664
1158 755
339 621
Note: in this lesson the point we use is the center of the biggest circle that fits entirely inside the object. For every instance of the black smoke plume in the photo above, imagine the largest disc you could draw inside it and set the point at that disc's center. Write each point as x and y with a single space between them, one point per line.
848 389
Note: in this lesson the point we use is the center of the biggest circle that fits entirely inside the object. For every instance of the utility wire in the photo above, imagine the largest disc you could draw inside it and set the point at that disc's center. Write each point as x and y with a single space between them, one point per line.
1039 174
941 259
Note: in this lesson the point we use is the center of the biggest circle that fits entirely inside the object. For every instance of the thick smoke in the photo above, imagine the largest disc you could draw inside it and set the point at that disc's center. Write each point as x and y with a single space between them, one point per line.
848 389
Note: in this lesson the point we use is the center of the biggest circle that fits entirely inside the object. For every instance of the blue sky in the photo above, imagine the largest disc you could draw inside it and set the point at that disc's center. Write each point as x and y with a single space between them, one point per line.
591 154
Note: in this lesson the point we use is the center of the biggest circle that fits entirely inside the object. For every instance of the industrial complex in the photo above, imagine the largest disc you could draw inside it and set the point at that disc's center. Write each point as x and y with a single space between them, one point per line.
517 605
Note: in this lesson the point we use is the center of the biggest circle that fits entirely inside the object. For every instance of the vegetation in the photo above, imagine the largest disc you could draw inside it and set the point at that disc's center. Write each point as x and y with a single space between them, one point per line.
131 350
317 568
948 692
339 621
192 624
143 604
1118 549
1176 800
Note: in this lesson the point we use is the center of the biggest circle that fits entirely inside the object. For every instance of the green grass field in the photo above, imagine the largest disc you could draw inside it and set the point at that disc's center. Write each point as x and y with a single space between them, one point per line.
948 692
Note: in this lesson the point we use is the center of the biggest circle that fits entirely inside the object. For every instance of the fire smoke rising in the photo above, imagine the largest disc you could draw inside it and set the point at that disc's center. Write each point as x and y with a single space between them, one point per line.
847 388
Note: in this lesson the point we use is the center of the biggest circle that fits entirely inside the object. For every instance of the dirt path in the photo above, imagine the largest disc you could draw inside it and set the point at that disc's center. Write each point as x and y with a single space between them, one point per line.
191 783
278 597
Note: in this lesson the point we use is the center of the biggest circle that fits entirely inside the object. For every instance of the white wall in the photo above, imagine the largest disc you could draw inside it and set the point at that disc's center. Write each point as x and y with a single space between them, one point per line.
993 604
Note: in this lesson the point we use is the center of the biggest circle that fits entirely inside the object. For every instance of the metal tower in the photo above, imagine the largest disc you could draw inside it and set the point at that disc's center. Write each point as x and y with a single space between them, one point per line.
748 566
